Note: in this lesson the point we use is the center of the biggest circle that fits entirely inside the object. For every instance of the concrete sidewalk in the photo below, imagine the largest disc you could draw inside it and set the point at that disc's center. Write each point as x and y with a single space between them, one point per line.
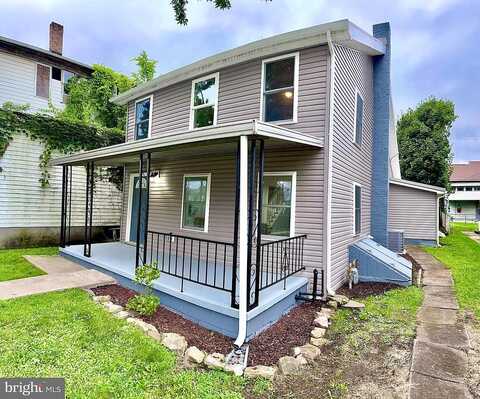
439 361
63 274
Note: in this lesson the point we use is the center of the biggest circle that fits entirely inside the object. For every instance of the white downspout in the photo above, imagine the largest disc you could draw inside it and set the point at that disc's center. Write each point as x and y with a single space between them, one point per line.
328 249
242 242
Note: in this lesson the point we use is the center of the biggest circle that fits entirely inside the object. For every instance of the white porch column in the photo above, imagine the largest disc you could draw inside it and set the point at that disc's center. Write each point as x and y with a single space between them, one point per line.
242 242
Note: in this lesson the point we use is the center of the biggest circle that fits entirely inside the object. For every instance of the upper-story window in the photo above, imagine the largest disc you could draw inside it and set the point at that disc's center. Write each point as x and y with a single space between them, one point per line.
143 118
204 101
358 124
42 81
280 89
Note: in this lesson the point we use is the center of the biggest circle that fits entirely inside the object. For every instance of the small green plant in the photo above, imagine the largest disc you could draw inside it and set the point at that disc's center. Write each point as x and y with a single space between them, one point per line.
146 303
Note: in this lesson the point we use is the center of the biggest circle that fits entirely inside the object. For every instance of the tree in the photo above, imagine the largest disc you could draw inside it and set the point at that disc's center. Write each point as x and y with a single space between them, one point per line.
146 68
423 140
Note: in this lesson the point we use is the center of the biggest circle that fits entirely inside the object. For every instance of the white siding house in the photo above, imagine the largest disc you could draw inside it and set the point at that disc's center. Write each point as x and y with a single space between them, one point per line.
34 76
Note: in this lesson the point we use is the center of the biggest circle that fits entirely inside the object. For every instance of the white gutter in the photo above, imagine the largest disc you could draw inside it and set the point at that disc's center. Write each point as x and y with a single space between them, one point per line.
242 242
329 144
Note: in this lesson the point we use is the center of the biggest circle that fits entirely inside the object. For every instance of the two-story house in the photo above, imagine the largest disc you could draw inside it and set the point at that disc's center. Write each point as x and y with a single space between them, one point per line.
464 200
255 176
30 213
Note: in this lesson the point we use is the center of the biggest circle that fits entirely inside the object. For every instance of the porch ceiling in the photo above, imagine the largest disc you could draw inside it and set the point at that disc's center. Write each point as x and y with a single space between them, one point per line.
219 139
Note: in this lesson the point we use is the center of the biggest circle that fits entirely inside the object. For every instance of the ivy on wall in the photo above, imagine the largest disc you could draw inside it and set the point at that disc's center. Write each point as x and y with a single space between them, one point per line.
56 134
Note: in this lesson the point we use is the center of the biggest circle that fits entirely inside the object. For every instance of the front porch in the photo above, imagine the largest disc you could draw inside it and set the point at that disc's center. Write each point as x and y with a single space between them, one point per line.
206 305
234 269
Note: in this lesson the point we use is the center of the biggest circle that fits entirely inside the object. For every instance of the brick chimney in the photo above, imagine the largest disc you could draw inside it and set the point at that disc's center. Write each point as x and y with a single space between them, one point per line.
56 38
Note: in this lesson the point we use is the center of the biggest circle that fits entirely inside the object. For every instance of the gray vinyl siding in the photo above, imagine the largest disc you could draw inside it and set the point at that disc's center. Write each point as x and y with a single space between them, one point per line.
239 97
166 196
350 163
413 211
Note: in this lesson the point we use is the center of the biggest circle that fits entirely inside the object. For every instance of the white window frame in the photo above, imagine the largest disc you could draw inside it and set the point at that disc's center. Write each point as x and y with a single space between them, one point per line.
215 75
293 203
150 112
129 207
49 82
207 202
354 135
295 55
354 185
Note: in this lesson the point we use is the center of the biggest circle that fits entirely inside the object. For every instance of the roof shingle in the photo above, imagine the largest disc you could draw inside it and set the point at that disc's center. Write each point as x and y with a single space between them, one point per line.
468 172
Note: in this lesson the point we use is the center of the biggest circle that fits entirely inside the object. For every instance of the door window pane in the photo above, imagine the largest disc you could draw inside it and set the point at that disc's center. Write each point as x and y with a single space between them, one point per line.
195 192
276 206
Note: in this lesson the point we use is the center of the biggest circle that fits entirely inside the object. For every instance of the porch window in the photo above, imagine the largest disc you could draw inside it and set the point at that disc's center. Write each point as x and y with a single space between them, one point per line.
280 88
195 203
143 118
278 198
357 209
358 124
204 101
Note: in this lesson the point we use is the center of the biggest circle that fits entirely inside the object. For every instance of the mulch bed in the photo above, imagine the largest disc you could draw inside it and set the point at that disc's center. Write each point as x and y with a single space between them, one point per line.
291 330
362 290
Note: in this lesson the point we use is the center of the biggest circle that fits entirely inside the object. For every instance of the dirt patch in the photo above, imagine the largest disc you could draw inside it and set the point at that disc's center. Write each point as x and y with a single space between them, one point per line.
291 330
362 290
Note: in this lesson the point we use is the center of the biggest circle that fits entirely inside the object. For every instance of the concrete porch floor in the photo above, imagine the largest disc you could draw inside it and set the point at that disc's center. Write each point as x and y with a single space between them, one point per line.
208 306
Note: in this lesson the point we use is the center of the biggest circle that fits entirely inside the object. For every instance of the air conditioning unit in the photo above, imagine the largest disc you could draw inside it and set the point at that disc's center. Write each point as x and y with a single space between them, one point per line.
396 241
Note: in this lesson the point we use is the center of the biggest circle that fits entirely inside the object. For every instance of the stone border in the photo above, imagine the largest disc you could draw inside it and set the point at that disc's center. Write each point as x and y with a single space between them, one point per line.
192 357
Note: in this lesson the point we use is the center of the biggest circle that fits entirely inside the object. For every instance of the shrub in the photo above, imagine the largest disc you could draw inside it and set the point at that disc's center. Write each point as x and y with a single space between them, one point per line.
146 303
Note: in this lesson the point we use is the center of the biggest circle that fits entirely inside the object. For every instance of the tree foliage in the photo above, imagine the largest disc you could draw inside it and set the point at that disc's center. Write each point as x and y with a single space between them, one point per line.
180 8
423 139
146 68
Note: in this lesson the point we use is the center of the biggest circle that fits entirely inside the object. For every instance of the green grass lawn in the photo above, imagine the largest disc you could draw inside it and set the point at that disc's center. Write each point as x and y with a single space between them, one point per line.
65 334
13 266
462 255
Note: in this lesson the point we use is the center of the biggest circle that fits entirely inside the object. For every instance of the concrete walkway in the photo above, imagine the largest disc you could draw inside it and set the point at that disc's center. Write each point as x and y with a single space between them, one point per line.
64 274
439 361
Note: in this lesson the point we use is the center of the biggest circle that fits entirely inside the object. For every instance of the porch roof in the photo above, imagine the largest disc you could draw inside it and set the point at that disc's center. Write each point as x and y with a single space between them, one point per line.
215 139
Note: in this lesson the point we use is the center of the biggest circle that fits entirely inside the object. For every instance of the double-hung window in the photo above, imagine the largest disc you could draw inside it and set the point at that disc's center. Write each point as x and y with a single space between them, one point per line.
143 118
357 209
203 111
195 203
358 125
278 204
280 89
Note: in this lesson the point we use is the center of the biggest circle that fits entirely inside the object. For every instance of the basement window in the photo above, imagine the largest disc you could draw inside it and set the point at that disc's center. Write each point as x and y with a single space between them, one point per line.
357 209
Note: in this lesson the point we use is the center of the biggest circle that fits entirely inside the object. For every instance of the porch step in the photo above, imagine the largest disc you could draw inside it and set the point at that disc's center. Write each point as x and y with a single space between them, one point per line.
53 282
377 263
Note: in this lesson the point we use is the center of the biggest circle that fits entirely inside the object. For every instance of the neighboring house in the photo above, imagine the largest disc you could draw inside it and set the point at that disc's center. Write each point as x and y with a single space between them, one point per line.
249 170
464 200
33 76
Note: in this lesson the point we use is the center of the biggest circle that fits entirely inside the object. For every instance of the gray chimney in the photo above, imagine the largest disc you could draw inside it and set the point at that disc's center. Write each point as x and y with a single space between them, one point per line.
56 38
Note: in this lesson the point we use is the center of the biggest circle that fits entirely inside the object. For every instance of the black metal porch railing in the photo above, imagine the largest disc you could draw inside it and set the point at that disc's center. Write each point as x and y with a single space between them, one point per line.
280 259
205 262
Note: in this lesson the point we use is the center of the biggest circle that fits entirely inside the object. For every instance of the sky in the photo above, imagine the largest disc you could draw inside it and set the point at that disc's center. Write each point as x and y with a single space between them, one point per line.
435 46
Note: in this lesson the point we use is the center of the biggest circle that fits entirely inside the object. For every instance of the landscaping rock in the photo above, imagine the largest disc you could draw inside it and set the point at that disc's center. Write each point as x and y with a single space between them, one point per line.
332 304
319 342
353 305
340 299
308 351
318 332
112 308
155 335
89 292
102 298
215 361
123 314
141 324
260 372
236 369
175 342
288 365
302 360
328 312
321 321
193 357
